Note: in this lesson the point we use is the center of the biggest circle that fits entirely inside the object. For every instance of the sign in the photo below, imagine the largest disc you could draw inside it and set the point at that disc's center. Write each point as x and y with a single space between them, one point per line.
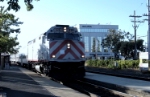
62 52
143 61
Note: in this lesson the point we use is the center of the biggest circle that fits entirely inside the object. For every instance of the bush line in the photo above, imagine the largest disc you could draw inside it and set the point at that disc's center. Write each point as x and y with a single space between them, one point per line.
118 64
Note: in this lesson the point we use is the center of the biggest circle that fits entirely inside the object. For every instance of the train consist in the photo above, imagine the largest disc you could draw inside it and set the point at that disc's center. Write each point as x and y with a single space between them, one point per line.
58 53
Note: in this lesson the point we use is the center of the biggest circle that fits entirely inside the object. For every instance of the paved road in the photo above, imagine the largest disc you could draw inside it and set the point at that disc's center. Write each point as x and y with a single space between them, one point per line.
17 84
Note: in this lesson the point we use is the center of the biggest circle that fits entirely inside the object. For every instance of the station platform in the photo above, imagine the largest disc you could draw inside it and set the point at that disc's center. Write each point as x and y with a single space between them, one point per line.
131 86
20 82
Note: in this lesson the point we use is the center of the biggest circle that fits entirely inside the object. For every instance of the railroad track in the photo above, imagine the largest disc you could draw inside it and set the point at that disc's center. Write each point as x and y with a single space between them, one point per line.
95 90
91 88
121 75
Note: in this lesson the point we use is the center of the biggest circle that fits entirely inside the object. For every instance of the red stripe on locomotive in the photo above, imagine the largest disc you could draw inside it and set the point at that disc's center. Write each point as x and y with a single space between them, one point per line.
52 43
75 46
58 48
76 57
68 50
82 44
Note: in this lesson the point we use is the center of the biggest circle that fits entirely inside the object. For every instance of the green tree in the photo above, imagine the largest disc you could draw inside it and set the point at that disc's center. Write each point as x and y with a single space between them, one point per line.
94 45
127 47
13 4
7 43
119 41
140 45
113 39
8 22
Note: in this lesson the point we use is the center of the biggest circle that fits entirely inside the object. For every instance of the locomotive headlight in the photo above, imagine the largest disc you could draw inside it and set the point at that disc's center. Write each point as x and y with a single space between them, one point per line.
65 29
82 56
53 56
68 45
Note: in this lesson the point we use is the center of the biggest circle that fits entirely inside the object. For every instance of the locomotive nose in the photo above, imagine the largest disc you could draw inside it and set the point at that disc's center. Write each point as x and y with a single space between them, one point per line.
67 49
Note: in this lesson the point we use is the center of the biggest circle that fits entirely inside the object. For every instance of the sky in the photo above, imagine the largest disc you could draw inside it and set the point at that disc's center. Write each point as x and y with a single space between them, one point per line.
47 13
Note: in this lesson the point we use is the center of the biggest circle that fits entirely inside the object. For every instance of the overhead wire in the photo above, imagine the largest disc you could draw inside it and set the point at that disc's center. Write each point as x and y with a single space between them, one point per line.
136 10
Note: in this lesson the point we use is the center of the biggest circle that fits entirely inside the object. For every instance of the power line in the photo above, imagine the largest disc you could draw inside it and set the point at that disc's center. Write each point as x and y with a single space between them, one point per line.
136 10
145 14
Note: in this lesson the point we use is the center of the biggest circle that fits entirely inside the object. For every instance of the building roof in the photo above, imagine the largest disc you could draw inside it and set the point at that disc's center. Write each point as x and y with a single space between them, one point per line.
96 26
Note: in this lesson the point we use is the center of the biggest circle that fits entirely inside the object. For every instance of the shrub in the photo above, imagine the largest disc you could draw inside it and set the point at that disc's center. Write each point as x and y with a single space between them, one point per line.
122 64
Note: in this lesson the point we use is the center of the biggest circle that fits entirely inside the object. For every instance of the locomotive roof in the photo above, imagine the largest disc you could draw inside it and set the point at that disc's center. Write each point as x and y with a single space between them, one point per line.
57 26
62 25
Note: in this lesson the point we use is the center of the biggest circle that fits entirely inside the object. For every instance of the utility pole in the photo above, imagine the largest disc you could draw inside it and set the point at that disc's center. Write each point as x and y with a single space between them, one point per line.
135 29
148 33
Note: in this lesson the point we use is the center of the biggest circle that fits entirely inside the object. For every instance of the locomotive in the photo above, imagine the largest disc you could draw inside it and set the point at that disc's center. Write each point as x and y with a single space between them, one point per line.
58 53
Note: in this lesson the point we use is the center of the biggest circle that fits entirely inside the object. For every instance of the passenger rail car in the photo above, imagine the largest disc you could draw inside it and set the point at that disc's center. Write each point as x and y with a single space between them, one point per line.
59 53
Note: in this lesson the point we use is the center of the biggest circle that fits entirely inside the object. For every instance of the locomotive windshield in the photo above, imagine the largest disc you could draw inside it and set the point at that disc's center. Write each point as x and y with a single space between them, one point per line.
72 36
56 36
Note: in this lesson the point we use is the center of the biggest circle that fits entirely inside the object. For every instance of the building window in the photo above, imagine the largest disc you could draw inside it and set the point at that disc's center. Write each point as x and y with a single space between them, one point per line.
99 46
91 43
94 30
105 48
86 41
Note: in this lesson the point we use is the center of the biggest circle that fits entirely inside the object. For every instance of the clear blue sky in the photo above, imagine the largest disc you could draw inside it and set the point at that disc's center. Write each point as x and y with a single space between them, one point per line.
47 13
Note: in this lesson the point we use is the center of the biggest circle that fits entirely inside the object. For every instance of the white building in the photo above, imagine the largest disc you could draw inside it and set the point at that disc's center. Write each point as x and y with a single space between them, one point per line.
99 32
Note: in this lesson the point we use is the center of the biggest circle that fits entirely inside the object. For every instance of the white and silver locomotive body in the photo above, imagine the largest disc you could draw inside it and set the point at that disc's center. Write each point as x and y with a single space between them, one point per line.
60 51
